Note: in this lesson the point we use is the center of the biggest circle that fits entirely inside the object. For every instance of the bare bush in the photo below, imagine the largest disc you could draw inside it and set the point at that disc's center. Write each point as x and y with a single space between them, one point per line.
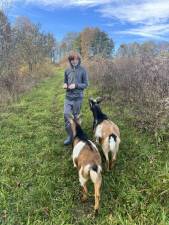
140 84
25 56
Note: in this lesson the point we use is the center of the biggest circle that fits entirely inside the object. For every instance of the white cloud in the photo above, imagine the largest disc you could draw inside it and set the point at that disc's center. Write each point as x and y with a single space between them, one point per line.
66 3
150 16
88 2
135 11
147 12
153 31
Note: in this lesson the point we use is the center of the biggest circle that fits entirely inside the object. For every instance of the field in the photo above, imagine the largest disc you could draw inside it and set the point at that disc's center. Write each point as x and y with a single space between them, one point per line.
38 184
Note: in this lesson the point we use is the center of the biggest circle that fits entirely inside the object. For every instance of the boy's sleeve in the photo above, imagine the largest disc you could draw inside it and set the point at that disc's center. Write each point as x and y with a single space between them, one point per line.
65 77
85 81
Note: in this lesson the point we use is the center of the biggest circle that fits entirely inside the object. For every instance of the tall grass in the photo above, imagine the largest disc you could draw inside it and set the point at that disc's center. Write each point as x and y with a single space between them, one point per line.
21 81
139 85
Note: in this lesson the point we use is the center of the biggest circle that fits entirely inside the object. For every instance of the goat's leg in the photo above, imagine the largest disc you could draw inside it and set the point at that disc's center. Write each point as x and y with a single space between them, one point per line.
105 148
107 158
114 156
84 193
112 161
83 182
97 187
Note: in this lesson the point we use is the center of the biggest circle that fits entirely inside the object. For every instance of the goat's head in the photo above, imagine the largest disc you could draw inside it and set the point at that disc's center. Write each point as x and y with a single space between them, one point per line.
93 103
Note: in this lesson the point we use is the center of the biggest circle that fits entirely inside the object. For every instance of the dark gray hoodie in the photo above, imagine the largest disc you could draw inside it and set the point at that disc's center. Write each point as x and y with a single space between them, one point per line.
78 76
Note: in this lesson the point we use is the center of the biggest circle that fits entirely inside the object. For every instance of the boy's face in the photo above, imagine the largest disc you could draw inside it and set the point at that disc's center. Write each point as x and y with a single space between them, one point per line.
74 61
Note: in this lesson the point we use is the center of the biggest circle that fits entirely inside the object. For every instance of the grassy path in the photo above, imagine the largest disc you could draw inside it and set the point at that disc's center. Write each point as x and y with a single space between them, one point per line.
38 184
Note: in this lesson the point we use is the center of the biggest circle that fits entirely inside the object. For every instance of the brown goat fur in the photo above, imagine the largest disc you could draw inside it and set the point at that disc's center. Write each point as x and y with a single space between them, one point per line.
87 160
106 132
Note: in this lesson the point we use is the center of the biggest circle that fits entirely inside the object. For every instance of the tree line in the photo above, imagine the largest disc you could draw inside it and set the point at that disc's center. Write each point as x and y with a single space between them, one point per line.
22 44
89 43
26 54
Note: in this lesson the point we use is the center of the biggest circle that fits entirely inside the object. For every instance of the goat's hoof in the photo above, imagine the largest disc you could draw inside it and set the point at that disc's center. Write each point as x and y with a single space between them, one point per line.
84 198
112 165
107 169
96 212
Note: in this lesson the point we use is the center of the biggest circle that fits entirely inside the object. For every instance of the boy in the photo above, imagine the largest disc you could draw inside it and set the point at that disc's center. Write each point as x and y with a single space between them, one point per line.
75 81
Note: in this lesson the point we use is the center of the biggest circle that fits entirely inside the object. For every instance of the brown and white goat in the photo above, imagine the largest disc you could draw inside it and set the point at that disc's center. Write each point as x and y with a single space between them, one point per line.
106 132
87 159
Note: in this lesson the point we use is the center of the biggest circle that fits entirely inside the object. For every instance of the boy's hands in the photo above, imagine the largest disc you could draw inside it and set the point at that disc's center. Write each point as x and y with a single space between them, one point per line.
65 86
71 86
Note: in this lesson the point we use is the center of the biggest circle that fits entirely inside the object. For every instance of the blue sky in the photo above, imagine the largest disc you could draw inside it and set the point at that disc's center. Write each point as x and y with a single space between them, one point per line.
124 20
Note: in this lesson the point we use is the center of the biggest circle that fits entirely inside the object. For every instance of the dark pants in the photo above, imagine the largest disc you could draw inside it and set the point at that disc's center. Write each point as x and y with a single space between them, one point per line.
71 107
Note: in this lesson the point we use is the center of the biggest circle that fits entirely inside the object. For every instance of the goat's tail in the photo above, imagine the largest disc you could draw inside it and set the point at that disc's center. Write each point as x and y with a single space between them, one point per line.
94 172
114 142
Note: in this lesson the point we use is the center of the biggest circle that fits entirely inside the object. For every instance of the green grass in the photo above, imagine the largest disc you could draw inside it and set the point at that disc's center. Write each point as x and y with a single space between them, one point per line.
38 184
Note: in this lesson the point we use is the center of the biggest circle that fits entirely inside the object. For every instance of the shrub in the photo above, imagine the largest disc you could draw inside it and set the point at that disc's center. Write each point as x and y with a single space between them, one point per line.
140 84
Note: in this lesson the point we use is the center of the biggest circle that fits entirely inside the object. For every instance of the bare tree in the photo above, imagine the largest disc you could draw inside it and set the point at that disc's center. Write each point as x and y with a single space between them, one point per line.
24 49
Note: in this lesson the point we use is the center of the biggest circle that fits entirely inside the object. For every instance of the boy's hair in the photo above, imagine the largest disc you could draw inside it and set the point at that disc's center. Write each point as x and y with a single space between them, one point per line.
74 55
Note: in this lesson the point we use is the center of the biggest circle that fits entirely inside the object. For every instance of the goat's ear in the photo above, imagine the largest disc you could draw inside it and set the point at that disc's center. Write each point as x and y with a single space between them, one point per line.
71 120
79 119
99 99
71 117
79 116
91 99
73 126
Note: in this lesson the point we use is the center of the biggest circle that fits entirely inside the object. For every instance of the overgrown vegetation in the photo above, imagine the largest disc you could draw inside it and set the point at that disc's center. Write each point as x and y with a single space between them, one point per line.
25 56
38 184
139 85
